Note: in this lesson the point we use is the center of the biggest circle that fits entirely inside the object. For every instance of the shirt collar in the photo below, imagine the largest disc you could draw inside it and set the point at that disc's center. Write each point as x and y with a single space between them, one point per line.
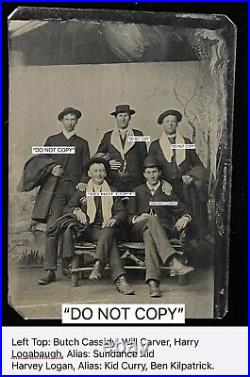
171 136
68 135
153 188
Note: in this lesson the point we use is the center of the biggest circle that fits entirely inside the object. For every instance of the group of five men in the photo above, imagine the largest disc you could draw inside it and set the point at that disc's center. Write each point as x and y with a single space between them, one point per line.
162 179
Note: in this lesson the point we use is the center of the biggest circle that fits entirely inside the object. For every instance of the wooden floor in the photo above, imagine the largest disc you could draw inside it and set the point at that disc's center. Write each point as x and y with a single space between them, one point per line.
33 301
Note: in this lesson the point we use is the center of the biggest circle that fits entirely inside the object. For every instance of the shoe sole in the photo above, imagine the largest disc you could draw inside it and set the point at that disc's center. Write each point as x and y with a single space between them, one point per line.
182 273
126 293
41 283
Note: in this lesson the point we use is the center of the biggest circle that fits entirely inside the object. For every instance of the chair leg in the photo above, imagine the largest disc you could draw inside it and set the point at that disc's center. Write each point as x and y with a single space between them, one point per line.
75 275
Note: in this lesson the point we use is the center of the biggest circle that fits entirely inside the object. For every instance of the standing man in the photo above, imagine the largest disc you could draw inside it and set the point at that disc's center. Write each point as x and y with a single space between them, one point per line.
182 167
155 223
69 170
125 154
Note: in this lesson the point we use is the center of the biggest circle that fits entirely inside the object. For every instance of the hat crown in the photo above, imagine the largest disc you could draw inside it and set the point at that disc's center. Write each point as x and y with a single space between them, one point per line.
150 161
122 108
69 110
175 113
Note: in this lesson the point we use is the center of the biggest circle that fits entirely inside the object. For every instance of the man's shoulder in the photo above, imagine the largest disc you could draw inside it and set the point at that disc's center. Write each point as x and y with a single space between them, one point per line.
140 188
81 139
137 132
154 142
55 136
187 140
108 133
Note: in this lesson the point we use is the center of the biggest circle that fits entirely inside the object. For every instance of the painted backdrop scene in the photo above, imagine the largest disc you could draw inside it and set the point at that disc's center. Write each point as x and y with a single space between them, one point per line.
95 66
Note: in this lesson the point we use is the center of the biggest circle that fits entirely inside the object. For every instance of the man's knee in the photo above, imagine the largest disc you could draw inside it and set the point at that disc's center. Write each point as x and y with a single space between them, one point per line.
154 220
107 232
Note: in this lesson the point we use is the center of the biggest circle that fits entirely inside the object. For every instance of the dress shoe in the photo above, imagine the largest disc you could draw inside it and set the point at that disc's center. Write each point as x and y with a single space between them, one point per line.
154 288
48 279
96 273
123 287
177 268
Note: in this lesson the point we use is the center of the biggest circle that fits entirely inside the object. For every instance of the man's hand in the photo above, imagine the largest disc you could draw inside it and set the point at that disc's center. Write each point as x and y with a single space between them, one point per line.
80 215
114 164
108 223
187 179
182 223
166 187
81 186
57 171
142 217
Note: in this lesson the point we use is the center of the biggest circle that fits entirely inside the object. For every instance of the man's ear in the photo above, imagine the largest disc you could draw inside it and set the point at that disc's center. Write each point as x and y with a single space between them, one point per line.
160 173
144 174
89 174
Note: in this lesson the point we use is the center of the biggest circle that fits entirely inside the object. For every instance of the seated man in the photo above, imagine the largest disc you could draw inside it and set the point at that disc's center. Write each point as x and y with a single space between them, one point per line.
103 214
152 222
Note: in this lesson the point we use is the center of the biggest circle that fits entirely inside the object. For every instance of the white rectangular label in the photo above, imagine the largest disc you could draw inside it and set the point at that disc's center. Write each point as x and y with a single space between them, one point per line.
182 146
53 150
116 350
93 313
111 193
145 139
163 204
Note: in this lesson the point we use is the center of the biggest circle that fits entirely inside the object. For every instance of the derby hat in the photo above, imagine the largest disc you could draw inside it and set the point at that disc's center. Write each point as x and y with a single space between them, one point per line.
97 160
169 112
151 162
69 110
123 109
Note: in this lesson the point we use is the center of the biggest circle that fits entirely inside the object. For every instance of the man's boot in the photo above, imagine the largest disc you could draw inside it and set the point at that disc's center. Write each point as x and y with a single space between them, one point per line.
123 286
96 273
50 278
154 288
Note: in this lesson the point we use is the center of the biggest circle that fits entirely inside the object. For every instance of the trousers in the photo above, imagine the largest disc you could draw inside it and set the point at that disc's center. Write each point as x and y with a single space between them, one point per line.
157 246
63 193
106 249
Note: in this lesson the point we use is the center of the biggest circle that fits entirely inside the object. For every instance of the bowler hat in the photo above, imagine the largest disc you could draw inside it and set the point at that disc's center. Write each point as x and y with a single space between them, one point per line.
151 162
169 112
96 160
123 109
69 110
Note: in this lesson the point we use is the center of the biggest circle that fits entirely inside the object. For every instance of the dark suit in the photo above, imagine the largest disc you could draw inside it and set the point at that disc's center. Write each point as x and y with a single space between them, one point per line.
72 165
106 249
194 195
154 231
134 161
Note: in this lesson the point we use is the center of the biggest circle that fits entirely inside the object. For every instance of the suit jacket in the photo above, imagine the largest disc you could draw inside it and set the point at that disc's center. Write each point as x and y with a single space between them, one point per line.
73 164
78 200
168 214
170 171
35 171
134 156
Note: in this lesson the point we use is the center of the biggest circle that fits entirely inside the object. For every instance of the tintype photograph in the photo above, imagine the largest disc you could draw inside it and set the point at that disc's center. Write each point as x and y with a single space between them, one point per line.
120 144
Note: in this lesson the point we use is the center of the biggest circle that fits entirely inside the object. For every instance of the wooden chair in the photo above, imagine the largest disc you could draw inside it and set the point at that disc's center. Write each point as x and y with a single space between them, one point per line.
130 252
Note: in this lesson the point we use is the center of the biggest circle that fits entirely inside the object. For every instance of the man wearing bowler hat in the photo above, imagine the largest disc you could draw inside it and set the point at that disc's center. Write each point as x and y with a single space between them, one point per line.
68 172
182 167
154 217
125 155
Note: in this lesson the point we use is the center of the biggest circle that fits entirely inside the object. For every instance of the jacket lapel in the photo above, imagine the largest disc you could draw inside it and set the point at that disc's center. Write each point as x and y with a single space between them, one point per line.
115 140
